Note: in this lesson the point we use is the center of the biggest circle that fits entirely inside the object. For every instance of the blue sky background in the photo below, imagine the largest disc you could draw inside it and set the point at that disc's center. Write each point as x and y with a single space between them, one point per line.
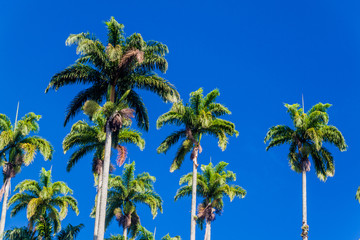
260 54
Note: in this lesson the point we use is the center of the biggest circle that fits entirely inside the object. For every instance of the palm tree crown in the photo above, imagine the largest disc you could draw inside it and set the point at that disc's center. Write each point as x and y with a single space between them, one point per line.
144 234
199 117
17 148
125 63
126 192
43 198
307 138
85 138
213 183
44 231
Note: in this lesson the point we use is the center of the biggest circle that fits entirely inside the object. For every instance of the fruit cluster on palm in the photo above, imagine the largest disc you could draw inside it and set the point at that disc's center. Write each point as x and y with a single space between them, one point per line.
306 140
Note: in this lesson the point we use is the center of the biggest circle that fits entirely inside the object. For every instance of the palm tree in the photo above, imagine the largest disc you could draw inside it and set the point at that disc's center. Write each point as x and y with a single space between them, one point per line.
17 149
144 234
357 196
200 117
43 197
22 233
306 140
122 66
125 193
212 185
44 231
117 115
125 63
91 139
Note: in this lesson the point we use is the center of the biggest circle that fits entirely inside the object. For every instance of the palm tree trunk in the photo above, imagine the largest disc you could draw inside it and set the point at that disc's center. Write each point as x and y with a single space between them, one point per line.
208 230
305 227
105 179
125 233
98 197
193 199
4 207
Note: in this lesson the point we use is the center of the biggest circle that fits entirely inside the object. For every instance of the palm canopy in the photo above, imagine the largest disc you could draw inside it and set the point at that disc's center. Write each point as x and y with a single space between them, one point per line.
125 63
199 117
43 197
86 138
213 183
17 148
144 234
126 192
43 230
310 131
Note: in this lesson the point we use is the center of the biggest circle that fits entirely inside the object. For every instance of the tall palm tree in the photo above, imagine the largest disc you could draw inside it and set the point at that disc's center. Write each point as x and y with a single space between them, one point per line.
306 140
117 115
43 197
44 231
199 117
18 149
125 193
86 139
123 65
213 183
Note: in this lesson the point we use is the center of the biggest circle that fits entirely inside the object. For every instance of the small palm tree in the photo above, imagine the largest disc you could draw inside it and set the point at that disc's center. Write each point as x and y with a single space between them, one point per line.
18 149
144 234
44 231
306 140
212 185
125 193
86 139
22 233
199 118
43 197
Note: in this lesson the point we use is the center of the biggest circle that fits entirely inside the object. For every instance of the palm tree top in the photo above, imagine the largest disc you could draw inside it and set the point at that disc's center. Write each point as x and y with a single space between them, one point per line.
16 137
126 192
44 197
311 130
214 182
88 138
124 63
201 116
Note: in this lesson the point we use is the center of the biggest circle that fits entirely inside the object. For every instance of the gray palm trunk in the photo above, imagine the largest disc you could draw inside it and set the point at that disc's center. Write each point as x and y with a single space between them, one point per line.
97 213
125 233
193 199
305 227
4 208
105 180
207 230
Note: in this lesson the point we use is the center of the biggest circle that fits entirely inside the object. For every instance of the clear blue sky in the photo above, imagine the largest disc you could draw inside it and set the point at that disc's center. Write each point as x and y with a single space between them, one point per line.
259 53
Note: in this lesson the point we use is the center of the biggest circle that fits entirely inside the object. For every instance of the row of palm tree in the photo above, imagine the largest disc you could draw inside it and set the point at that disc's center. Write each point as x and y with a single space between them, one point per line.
112 74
